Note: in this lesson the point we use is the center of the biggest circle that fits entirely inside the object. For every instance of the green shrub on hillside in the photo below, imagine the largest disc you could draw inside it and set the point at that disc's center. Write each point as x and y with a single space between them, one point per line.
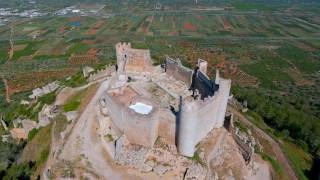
76 80
48 98
300 58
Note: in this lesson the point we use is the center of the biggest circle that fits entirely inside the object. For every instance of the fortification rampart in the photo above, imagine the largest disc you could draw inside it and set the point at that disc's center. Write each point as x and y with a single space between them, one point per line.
138 129
199 117
175 69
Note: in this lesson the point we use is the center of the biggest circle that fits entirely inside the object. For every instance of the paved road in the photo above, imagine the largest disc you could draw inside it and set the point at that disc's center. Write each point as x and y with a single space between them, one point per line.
280 156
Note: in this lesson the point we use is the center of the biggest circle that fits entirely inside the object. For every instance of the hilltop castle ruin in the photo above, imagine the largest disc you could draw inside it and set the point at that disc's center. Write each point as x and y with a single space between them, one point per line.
177 103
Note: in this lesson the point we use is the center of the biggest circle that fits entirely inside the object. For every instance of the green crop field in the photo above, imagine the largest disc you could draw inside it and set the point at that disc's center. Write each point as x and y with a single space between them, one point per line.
269 49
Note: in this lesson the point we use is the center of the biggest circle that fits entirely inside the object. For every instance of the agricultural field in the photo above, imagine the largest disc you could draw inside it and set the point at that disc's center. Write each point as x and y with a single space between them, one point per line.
259 48
270 49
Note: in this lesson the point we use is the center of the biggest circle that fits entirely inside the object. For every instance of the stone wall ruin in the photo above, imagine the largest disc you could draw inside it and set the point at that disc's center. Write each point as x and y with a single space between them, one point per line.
138 129
175 69
131 60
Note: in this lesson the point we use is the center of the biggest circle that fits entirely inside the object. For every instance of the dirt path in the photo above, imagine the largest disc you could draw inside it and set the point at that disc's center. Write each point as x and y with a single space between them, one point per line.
11 44
84 142
5 82
67 92
214 150
280 156
53 148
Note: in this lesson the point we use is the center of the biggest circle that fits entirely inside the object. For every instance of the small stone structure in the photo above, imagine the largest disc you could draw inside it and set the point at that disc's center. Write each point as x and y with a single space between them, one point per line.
87 70
3 123
22 128
18 133
28 125
46 115
38 92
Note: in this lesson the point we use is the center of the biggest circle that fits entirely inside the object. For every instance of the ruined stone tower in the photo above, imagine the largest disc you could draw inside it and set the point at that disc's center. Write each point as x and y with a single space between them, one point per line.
133 61
122 56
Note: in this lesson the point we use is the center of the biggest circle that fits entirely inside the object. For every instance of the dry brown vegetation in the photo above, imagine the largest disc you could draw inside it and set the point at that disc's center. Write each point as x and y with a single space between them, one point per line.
25 82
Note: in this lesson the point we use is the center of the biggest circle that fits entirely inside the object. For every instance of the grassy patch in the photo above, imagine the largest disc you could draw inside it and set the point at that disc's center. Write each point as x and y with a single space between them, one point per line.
44 156
300 160
257 120
274 163
72 105
3 55
29 50
109 137
249 6
37 150
78 48
196 158
76 80
241 127
74 101
32 133
302 59
139 45
61 123
15 109
266 74
48 98
45 57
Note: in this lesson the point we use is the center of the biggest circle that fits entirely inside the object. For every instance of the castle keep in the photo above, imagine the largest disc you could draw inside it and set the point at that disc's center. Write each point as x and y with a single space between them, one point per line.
177 103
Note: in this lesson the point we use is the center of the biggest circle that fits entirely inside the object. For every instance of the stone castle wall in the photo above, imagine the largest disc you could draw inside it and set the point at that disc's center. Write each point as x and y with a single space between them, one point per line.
167 126
138 129
133 60
175 69
198 118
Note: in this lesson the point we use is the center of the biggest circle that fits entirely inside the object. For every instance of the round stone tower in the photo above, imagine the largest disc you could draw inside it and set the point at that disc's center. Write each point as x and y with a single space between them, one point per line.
187 128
